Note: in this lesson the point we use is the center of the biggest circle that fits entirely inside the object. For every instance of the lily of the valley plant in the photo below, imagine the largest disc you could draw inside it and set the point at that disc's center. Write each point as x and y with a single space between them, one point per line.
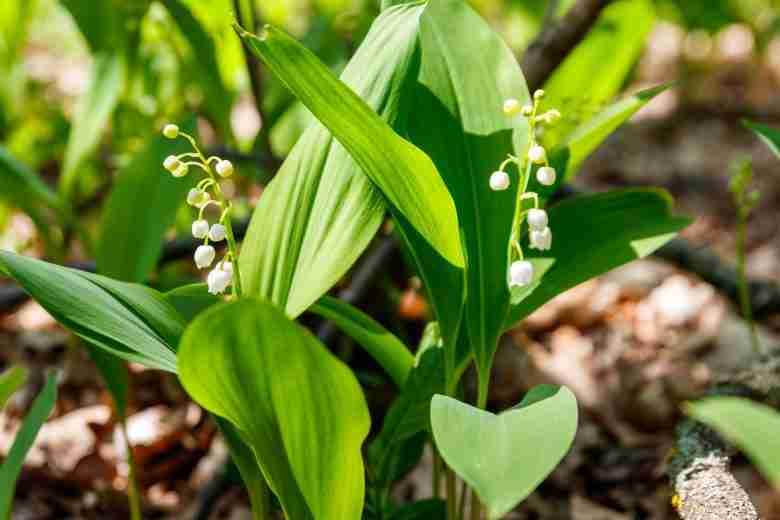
413 130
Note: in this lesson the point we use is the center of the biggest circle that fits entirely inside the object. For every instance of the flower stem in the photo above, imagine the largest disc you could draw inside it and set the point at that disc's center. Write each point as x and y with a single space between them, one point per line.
133 494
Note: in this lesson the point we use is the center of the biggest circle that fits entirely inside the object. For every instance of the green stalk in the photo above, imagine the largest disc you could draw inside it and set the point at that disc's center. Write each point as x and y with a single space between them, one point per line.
744 290
133 493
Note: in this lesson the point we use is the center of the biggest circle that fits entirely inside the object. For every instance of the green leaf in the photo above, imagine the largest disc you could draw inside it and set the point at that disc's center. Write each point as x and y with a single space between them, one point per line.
593 234
460 92
320 211
406 419
407 177
10 381
597 68
217 98
12 466
431 509
140 209
91 116
251 474
584 139
298 407
769 135
97 21
753 427
505 457
381 344
191 300
127 320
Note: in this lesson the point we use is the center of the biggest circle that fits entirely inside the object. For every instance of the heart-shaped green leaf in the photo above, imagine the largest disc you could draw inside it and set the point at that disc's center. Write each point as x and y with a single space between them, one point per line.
593 234
753 427
320 211
298 407
128 320
505 457
771 136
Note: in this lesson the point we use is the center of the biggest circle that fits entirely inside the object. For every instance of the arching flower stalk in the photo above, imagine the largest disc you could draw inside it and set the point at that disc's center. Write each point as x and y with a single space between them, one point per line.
208 193
521 272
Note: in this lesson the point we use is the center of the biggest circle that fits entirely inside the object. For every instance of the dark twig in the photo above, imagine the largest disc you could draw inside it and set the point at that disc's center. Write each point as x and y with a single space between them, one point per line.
557 39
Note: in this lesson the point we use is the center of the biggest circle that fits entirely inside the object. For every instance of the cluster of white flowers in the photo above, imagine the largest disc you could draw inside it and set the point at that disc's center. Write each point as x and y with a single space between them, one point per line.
521 272
206 193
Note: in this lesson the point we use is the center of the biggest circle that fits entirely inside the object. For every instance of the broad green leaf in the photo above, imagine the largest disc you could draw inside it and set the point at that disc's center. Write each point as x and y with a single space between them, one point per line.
593 234
298 407
191 300
771 136
406 177
505 457
91 116
381 344
597 68
584 139
140 209
217 98
10 381
320 211
753 427
466 73
251 474
127 320
12 465
97 21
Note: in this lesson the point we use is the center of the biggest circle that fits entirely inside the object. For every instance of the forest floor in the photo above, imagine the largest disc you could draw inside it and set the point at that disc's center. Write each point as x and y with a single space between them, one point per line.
633 345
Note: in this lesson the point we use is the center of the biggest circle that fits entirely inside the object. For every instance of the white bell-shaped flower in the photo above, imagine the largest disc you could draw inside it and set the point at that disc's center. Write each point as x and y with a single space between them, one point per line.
537 219
181 171
204 256
511 107
527 110
171 163
546 175
539 94
224 168
218 280
521 273
171 131
217 233
537 154
200 228
499 181
227 266
198 198
541 239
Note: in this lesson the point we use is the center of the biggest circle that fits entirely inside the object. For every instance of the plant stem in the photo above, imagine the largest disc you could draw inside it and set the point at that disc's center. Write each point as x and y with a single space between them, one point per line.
452 509
133 494
744 290
436 476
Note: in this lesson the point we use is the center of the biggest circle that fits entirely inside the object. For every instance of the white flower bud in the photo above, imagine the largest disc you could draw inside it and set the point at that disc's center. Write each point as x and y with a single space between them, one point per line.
224 168
537 219
204 255
218 280
537 155
200 228
521 273
551 116
227 267
198 198
499 181
511 107
217 233
181 170
546 176
539 94
171 131
171 163
527 110
541 240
